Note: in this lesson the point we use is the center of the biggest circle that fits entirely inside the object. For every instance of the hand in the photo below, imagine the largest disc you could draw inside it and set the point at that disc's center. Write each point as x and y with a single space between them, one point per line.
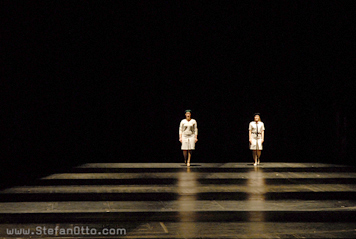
262 141
250 141
196 140
180 140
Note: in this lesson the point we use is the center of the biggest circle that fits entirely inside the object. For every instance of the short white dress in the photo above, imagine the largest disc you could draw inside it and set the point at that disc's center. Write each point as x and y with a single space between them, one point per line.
188 130
256 135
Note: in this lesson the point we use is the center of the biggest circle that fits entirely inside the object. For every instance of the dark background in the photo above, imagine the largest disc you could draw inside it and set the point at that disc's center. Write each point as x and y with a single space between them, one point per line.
86 81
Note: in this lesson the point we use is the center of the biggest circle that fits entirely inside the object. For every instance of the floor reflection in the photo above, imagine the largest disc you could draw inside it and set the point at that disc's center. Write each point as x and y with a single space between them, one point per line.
187 202
256 200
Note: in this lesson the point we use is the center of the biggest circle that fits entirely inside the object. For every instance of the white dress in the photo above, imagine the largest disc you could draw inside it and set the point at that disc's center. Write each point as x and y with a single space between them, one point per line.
256 138
188 130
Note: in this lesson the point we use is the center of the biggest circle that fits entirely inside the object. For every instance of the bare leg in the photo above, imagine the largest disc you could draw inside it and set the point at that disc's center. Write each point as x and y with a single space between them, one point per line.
254 156
259 156
189 157
185 156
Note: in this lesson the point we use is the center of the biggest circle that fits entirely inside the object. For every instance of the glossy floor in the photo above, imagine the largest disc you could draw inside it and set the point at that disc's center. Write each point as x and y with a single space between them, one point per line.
150 200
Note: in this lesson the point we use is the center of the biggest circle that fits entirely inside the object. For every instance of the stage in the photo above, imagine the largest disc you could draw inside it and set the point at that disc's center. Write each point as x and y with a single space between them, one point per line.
170 200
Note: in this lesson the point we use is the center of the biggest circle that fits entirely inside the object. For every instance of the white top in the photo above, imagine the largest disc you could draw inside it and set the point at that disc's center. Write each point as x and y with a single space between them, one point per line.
188 128
259 127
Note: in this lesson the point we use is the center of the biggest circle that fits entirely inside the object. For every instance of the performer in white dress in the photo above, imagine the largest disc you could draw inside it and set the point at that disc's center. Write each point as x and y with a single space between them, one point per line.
256 135
188 136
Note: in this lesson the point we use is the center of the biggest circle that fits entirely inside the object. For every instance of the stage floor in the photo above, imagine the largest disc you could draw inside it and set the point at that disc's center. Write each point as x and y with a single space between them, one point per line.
169 200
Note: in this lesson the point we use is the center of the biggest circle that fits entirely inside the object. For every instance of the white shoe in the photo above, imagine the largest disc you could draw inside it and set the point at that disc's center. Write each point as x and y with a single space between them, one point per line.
255 164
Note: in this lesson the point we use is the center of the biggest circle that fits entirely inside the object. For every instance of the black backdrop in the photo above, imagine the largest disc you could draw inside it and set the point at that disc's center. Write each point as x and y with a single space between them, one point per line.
109 81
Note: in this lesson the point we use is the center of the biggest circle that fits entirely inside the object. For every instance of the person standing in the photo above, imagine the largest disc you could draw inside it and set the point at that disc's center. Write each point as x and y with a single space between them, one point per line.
256 135
188 136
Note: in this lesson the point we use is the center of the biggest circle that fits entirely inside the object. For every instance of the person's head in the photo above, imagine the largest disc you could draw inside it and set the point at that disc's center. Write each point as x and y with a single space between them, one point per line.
257 117
188 114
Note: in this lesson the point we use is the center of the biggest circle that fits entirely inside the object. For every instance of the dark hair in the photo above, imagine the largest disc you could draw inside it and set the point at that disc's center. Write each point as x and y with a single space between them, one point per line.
259 116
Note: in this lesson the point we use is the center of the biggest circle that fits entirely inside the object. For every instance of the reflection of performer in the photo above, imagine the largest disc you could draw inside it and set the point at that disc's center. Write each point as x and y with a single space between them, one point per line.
188 136
256 137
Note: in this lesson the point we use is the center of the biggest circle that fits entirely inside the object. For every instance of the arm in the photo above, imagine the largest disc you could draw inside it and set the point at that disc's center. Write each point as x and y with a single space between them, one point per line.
263 136
180 131
196 131
249 133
